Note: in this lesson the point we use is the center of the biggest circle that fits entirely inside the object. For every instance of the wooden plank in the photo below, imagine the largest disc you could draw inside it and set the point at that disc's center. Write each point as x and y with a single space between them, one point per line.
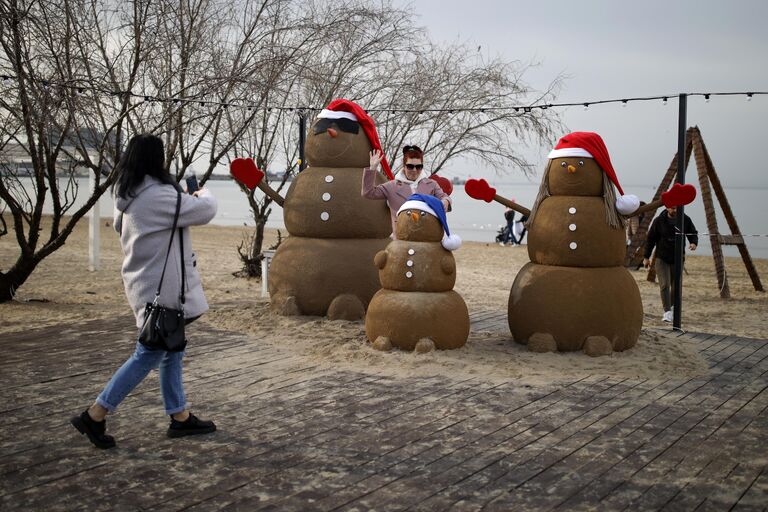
730 239
315 437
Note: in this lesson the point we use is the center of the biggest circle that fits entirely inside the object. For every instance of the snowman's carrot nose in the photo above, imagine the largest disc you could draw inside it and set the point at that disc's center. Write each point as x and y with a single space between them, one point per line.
333 133
415 216
571 169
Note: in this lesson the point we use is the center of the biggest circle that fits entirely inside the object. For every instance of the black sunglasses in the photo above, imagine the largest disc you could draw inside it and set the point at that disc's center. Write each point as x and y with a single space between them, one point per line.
411 167
411 148
343 124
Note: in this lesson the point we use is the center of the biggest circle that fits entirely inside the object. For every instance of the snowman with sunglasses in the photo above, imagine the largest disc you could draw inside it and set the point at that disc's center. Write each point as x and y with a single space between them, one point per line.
411 179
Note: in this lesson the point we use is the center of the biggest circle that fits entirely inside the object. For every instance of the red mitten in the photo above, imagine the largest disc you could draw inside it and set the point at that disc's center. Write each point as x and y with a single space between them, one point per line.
245 171
444 183
679 195
479 189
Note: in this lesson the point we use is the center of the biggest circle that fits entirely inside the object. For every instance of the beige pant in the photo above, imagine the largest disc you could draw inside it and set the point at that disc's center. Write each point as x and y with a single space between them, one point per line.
664 275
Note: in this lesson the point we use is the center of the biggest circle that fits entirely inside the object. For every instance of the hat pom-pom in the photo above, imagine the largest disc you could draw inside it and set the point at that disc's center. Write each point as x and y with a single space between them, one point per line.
451 242
627 204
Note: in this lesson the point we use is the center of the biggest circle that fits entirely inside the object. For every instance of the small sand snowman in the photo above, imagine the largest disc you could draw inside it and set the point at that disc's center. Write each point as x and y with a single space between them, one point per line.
417 309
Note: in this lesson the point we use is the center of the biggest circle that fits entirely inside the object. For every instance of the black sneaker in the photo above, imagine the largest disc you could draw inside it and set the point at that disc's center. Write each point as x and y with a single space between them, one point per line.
95 430
192 426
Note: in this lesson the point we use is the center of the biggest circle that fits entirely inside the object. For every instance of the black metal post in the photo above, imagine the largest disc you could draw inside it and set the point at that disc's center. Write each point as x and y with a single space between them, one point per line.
677 298
302 139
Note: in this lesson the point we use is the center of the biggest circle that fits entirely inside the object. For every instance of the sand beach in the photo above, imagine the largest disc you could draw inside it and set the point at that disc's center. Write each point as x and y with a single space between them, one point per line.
62 291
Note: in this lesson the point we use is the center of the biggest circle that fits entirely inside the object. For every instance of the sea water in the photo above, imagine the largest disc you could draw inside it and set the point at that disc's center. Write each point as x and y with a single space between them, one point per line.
480 221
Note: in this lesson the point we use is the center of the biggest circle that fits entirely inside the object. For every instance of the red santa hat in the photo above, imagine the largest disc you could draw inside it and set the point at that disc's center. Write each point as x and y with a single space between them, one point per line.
591 145
345 109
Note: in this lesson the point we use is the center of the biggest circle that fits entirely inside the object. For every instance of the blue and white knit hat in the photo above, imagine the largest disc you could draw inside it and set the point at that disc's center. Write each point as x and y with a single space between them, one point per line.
433 206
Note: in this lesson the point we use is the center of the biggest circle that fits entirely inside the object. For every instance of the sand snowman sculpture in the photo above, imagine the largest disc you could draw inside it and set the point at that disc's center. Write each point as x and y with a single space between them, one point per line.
575 293
417 307
324 267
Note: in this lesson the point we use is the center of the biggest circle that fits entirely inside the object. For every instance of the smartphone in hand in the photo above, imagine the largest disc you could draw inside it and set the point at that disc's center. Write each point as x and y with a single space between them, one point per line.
192 185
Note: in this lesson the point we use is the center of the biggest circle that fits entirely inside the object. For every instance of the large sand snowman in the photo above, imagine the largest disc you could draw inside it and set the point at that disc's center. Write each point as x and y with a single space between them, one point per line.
575 293
325 266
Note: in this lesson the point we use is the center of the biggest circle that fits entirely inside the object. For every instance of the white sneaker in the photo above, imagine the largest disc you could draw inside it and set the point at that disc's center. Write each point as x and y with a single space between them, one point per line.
667 316
501 244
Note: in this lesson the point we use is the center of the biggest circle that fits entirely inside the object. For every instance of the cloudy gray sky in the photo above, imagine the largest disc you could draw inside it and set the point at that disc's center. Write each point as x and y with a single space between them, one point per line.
615 49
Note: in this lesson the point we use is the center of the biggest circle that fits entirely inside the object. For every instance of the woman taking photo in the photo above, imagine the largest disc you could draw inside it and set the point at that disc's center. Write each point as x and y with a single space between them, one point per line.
146 199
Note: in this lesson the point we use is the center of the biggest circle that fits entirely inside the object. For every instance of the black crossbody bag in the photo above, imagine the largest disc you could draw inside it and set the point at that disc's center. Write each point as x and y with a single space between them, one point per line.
163 327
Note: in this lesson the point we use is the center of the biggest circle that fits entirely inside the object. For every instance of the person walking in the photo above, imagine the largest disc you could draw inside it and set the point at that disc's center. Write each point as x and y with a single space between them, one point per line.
523 229
509 216
411 179
146 199
662 235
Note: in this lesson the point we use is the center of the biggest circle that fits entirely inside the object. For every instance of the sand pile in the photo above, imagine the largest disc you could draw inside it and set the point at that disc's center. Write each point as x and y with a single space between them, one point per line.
489 356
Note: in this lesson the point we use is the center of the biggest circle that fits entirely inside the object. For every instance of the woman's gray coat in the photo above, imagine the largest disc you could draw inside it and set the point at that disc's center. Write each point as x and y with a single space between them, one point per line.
144 222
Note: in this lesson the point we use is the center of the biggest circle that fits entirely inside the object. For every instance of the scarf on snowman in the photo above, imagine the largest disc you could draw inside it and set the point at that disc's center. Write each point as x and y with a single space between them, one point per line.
400 176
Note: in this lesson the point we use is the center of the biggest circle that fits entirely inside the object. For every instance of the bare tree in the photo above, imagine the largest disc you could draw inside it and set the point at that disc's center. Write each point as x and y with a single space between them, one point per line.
333 49
57 117
460 104
219 79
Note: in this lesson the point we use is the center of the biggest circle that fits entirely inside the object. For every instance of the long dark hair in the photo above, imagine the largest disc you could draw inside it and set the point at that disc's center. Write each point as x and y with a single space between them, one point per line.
144 156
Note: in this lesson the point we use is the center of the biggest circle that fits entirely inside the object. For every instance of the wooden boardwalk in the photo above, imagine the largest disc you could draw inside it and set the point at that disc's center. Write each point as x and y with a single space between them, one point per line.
310 438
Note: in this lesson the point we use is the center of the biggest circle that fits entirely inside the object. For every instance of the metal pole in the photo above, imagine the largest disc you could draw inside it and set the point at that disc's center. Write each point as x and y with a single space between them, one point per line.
302 139
94 259
677 299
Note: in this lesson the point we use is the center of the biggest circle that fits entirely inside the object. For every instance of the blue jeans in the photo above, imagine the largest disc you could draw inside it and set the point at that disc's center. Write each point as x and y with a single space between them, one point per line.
136 368
510 232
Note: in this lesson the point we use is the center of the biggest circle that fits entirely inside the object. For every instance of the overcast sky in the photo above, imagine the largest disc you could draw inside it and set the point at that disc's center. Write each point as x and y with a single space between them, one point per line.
615 49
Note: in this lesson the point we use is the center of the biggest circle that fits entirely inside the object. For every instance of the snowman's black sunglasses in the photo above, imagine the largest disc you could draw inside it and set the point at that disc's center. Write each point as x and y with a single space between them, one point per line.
343 124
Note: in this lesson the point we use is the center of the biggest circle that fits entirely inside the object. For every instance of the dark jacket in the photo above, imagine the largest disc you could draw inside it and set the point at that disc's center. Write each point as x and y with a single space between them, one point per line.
662 236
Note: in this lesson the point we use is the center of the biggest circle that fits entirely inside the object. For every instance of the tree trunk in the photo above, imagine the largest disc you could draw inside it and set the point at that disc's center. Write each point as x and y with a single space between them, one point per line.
11 281
258 241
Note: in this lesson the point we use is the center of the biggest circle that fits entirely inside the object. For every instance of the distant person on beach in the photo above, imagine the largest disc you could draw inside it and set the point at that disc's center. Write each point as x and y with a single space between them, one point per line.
509 238
145 206
521 229
661 235
412 179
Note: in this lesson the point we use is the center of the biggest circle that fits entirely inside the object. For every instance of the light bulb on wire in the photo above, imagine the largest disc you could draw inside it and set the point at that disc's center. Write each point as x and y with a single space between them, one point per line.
664 101
749 96
706 98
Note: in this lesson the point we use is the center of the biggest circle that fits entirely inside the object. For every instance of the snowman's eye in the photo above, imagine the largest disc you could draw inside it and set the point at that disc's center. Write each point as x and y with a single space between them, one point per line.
581 163
423 213
562 164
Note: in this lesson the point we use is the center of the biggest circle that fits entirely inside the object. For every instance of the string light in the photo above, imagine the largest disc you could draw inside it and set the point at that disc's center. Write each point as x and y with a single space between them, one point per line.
516 108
